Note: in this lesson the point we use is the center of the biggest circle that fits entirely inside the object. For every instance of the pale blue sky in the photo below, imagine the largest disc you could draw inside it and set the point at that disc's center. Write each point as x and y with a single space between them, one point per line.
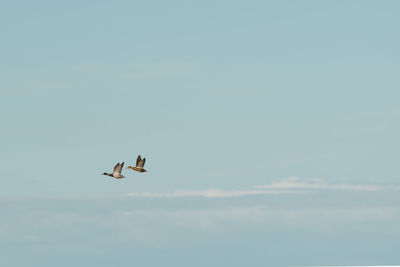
220 97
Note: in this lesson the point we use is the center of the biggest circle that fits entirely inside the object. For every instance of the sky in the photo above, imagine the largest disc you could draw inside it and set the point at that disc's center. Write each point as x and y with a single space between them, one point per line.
270 132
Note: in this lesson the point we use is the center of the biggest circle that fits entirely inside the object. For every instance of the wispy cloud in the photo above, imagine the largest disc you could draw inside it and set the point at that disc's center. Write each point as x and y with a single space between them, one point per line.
298 183
158 224
286 186
210 193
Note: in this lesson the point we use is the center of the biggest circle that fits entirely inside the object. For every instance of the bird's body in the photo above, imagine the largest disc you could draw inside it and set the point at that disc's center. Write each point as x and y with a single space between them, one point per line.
116 172
137 169
139 165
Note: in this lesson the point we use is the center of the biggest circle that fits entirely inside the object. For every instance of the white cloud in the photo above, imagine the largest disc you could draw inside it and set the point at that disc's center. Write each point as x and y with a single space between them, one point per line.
286 186
297 183
210 193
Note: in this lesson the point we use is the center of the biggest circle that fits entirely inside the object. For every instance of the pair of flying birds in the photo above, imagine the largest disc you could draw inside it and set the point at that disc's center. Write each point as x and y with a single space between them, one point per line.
117 172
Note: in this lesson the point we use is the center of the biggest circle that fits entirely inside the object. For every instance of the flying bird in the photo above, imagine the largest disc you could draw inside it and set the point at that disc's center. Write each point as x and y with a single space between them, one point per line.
116 172
139 165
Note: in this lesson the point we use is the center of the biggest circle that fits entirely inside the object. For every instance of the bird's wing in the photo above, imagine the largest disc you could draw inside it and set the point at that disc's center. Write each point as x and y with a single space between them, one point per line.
138 160
116 167
141 163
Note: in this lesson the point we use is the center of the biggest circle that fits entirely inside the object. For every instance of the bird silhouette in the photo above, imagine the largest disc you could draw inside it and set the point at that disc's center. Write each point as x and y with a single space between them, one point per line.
139 165
116 172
